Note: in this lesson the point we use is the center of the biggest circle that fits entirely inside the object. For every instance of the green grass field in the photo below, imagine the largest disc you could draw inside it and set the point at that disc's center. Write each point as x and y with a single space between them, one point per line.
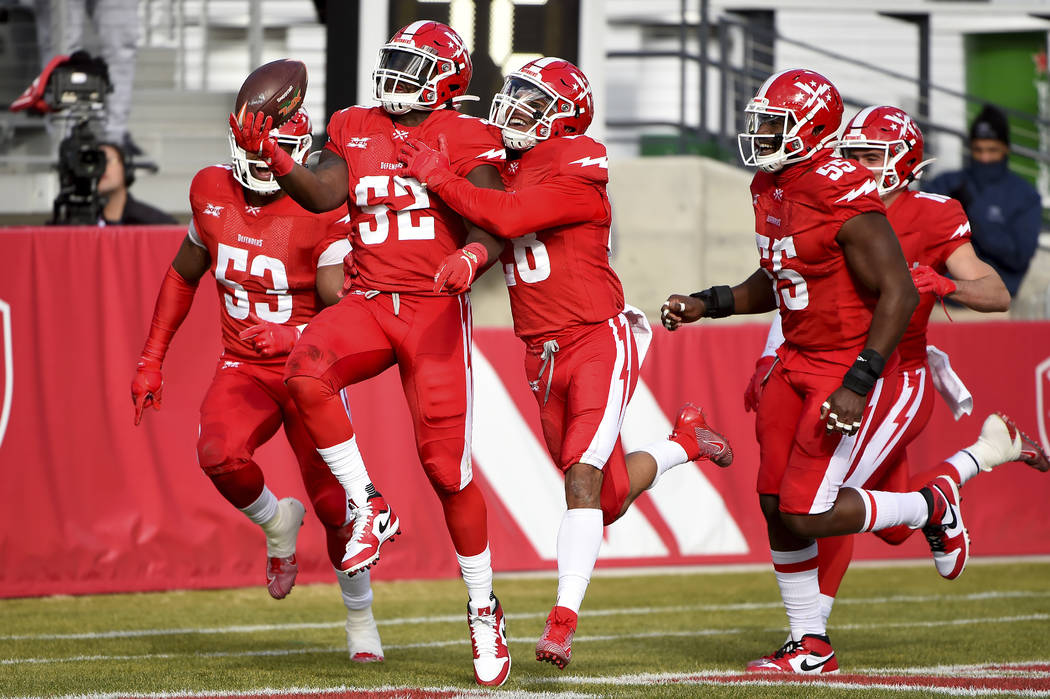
660 635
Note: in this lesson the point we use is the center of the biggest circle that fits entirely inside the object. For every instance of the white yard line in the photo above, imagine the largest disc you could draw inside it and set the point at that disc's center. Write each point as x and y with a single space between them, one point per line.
464 641
458 618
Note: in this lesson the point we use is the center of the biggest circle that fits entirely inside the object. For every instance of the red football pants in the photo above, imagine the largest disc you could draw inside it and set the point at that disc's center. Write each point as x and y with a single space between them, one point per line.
428 338
591 378
242 409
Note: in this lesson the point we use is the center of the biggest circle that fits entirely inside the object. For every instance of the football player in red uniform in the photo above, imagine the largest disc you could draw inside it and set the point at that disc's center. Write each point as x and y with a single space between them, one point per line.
845 297
400 233
582 358
935 237
275 265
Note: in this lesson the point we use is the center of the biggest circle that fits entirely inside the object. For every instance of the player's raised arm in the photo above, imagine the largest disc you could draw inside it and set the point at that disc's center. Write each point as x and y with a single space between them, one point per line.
556 202
269 98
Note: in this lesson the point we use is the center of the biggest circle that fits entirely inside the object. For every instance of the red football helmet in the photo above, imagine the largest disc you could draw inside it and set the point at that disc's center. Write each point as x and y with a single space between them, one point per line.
795 113
545 98
424 66
293 135
892 131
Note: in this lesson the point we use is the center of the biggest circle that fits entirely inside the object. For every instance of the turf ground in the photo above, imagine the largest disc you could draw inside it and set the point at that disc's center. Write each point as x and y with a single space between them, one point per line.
898 631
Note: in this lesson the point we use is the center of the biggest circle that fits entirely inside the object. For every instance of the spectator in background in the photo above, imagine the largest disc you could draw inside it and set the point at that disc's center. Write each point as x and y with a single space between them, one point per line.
117 24
120 208
1005 211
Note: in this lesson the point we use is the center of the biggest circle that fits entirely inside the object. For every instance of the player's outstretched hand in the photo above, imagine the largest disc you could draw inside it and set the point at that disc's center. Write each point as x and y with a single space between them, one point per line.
678 309
270 339
842 411
421 161
458 270
256 137
753 392
146 386
928 281
254 133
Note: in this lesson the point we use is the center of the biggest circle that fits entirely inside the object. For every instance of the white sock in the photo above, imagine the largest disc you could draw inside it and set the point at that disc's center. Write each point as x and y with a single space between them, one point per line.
579 539
348 467
965 464
826 603
477 575
667 454
356 589
796 573
884 510
264 509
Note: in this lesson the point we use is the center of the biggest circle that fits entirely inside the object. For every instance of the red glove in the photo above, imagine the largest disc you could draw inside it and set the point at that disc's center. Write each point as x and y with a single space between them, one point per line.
424 163
349 274
271 339
928 281
173 303
458 270
255 137
146 386
753 392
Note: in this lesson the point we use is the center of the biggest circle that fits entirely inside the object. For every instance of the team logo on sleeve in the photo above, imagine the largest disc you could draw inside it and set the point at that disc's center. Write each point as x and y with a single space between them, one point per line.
868 187
213 210
602 162
356 142
493 154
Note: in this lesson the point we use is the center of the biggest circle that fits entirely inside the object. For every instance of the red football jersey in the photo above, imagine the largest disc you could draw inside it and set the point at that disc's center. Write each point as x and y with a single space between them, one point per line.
930 227
556 214
826 312
264 258
401 232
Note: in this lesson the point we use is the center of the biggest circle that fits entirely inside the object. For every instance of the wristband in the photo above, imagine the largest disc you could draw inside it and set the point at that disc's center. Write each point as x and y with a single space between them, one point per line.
865 371
479 253
718 301
281 163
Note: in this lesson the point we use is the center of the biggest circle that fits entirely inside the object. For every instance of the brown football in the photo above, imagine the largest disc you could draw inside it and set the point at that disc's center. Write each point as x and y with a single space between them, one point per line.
276 89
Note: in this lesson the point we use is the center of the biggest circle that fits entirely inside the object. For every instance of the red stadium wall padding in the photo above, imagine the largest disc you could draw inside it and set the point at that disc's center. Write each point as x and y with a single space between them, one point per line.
93 504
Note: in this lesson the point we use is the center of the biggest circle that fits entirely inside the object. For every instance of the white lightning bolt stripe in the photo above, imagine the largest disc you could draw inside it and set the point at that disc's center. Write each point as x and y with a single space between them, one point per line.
866 188
962 230
494 154
602 162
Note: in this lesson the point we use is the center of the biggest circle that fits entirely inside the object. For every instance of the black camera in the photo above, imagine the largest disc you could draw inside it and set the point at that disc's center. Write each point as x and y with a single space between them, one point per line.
76 92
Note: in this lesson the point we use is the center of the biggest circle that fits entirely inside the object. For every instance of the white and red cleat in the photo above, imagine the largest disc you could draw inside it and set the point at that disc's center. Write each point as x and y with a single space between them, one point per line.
362 636
813 655
555 645
281 567
949 542
488 639
693 433
374 524
1031 453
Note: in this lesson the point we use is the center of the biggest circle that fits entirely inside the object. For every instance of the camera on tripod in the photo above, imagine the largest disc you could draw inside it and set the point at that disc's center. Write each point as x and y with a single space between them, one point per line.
76 94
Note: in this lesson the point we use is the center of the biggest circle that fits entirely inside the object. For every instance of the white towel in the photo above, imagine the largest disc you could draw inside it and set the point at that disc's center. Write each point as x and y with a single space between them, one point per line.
948 383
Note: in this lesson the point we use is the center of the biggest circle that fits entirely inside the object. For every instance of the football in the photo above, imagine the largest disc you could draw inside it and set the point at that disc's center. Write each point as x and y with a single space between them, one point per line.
276 89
